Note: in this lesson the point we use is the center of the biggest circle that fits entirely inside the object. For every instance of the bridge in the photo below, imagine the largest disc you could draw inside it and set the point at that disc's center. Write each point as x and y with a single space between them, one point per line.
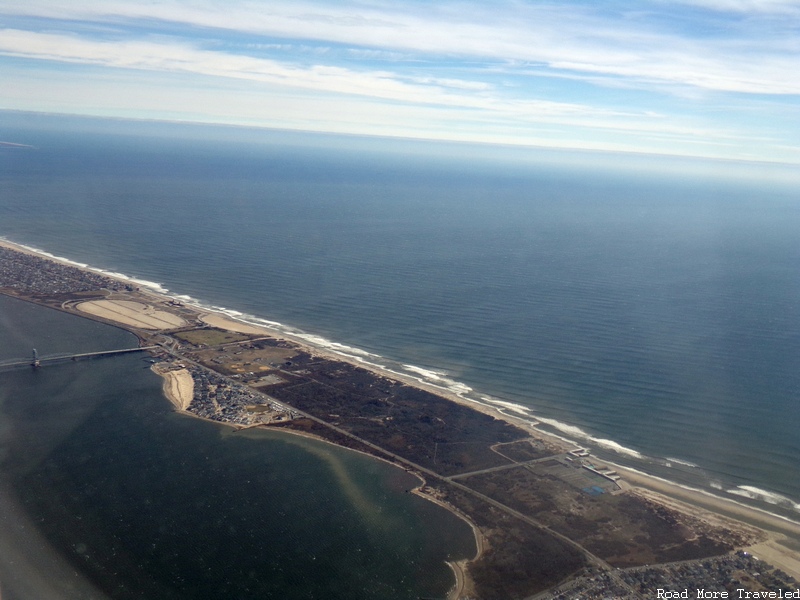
38 361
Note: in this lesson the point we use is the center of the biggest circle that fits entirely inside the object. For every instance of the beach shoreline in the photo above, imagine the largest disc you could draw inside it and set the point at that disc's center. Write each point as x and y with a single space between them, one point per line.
179 391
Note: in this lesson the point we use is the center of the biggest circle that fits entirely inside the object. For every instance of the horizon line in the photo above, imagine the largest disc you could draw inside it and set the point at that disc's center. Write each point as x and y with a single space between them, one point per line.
484 144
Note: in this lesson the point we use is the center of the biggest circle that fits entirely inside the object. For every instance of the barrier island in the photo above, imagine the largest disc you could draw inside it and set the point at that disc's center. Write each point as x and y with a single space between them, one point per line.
550 519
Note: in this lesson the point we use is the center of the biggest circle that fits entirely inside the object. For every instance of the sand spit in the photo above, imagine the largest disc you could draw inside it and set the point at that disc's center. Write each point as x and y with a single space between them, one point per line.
133 314
178 386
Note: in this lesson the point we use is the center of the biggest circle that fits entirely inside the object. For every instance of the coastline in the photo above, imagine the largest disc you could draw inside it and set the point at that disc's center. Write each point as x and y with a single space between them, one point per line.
176 388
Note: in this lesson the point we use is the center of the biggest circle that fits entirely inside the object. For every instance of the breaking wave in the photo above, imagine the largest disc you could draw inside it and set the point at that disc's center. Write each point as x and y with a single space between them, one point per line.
754 493
517 408
678 461
577 432
437 379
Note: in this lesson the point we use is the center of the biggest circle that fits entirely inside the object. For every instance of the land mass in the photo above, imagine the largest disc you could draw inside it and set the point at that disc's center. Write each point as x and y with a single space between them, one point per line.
550 519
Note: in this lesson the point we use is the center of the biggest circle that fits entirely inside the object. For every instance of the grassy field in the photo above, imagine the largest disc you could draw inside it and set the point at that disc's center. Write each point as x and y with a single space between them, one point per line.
211 337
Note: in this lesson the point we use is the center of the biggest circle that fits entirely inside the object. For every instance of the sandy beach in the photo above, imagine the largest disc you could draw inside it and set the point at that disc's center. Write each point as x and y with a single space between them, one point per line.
178 386
773 552
222 322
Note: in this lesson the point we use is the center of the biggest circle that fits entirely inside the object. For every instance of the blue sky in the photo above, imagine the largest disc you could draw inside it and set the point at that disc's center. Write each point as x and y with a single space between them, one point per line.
712 78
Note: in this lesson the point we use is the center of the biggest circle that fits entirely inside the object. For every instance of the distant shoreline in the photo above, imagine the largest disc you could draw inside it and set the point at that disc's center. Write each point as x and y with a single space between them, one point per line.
704 505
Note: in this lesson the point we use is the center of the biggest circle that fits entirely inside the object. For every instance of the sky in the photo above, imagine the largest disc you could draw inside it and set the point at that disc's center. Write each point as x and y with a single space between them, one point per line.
707 78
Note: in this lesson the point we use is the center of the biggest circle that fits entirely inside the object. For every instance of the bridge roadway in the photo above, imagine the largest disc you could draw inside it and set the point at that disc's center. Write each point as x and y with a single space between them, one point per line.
78 356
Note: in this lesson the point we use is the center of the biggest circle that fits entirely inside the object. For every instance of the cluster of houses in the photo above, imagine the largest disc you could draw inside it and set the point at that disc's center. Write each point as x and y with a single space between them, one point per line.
30 274
714 576
219 400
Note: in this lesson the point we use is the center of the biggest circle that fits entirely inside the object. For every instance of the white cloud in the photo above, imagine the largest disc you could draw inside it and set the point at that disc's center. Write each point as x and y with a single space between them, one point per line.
481 99
165 56
562 37
755 7
509 72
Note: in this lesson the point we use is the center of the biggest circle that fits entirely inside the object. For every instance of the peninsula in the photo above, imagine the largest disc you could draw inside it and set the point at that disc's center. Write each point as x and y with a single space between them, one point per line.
550 519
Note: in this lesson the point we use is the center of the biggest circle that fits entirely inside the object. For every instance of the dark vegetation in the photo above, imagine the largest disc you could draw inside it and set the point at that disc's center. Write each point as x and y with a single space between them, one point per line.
303 425
623 529
525 450
520 559
423 428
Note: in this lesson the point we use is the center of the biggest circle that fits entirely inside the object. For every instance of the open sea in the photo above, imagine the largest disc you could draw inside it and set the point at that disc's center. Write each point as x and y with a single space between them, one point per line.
646 308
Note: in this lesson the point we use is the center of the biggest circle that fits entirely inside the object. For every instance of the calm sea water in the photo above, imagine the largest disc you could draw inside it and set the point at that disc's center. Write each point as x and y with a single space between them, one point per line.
145 503
652 315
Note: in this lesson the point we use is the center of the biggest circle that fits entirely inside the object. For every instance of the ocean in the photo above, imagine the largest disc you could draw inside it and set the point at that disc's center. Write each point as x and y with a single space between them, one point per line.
647 308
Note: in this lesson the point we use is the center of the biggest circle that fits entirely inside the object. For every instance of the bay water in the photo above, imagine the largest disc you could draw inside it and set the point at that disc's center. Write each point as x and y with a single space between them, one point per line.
105 492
